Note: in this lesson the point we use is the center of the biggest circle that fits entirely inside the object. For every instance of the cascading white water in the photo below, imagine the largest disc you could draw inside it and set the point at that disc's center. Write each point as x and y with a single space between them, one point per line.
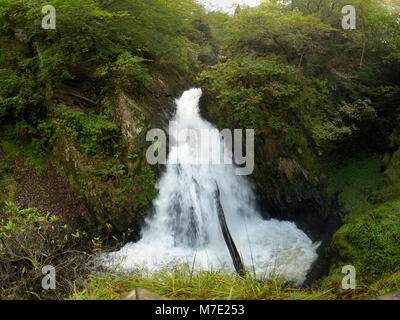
185 226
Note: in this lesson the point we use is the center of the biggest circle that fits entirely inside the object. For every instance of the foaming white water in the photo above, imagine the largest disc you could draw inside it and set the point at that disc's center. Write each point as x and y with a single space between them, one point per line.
185 226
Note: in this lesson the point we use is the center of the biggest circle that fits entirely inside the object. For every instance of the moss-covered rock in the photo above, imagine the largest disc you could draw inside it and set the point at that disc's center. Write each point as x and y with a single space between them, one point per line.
370 239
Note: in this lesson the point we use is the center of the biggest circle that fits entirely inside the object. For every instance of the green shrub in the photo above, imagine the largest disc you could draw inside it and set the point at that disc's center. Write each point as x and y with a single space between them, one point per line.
110 170
128 69
346 121
97 134
30 240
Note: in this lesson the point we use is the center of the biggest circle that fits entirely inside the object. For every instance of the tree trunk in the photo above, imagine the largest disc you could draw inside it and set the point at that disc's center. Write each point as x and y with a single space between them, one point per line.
237 261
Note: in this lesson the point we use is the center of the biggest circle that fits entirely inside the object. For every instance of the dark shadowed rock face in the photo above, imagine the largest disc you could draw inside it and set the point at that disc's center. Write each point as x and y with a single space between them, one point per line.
290 183
318 220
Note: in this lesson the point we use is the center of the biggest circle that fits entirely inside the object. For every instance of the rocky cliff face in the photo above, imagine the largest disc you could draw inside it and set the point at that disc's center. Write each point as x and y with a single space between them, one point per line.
117 188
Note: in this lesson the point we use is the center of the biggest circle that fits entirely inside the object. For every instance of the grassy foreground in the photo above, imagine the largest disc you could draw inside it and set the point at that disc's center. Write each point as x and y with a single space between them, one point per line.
184 284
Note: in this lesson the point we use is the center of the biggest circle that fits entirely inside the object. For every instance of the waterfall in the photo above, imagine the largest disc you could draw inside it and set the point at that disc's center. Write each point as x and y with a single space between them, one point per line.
185 229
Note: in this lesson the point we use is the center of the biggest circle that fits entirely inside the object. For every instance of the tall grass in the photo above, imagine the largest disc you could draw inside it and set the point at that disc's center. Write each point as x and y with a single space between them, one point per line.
183 283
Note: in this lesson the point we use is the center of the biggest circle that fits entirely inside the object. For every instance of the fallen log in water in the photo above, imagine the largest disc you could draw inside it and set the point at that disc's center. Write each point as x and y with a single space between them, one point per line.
237 261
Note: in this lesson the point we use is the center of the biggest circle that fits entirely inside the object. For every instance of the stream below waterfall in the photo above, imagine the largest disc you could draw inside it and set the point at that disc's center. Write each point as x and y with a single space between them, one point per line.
185 229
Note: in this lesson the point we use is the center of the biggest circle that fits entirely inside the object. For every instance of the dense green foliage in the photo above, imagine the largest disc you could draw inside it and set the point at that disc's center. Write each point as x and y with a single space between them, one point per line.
292 67
120 42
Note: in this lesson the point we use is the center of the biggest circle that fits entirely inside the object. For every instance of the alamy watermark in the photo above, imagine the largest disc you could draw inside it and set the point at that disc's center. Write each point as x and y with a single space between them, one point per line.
49 281
349 18
201 147
349 281
49 21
